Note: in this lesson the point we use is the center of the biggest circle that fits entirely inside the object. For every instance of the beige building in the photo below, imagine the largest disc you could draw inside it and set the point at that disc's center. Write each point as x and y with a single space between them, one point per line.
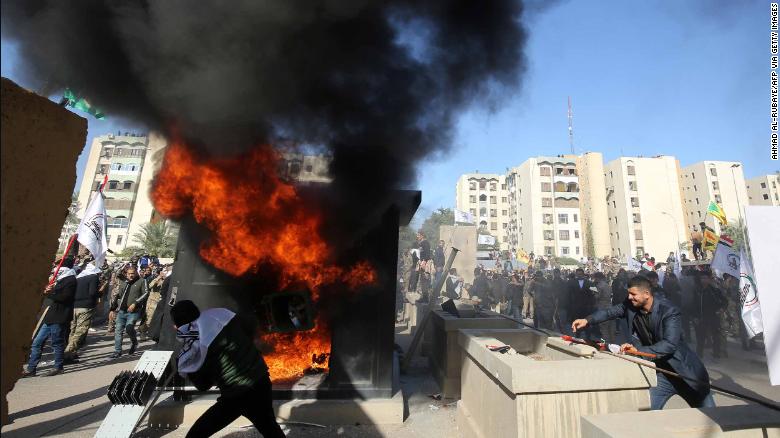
763 190
544 207
593 205
130 161
719 181
645 206
305 168
486 197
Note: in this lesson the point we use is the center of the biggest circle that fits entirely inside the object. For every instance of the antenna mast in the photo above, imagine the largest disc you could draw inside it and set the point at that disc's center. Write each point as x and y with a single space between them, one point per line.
571 130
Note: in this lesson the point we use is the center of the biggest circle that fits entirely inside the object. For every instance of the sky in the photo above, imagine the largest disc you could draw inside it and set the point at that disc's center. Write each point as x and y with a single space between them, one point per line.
689 79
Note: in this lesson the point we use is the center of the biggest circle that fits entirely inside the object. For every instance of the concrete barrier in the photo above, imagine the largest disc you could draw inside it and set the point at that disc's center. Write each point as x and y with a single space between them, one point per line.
544 389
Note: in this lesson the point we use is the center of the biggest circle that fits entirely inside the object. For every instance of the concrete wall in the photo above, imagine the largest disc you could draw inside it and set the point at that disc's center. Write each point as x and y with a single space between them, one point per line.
41 142
463 237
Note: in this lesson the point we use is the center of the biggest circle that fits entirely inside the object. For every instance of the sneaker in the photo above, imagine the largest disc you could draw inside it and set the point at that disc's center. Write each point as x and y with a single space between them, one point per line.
54 372
133 346
115 354
26 373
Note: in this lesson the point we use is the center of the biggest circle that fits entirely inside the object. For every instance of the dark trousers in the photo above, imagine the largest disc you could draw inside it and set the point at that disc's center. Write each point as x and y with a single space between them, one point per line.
708 329
256 405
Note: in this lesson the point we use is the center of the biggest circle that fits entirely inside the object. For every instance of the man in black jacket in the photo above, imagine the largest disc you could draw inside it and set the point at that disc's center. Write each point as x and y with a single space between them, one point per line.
656 329
128 305
87 292
583 293
58 312
217 351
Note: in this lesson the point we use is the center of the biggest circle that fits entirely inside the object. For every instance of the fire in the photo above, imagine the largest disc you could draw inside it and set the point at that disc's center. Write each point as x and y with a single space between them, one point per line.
254 218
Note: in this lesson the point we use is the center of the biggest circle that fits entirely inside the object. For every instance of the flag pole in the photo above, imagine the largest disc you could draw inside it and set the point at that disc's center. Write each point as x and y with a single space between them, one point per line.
67 251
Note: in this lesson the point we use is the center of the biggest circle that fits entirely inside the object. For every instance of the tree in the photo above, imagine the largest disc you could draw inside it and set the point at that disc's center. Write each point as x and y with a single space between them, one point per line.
737 231
71 223
157 239
442 216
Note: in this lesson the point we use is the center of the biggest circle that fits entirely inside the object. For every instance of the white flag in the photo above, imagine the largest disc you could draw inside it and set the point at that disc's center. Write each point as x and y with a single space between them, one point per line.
92 229
633 264
726 261
751 308
677 265
463 217
484 239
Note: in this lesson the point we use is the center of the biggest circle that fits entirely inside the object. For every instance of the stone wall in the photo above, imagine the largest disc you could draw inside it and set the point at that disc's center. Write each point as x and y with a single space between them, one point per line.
41 142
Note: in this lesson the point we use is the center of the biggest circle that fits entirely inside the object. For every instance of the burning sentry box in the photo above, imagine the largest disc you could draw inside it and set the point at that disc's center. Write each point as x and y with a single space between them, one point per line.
287 311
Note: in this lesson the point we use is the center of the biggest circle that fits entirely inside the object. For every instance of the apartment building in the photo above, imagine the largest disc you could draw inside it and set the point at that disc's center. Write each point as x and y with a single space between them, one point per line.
645 206
485 196
763 190
130 161
719 181
544 207
593 205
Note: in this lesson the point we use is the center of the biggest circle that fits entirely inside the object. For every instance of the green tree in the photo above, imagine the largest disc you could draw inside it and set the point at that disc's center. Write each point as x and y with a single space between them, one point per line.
157 238
736 230
406 238
442 216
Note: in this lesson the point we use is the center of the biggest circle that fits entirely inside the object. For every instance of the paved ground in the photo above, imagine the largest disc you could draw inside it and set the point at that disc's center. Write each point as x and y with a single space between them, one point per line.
73 404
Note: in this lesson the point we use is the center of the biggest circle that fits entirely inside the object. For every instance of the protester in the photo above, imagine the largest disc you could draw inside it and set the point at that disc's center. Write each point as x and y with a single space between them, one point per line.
696 238
544 302
85 301
216 351
453 284
562 302
655 326
58 312
712 302
439 261
528 297
128 311
603 301
515 293
583 295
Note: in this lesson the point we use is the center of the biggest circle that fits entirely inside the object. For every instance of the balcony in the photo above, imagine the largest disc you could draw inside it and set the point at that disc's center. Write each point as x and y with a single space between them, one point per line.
119 204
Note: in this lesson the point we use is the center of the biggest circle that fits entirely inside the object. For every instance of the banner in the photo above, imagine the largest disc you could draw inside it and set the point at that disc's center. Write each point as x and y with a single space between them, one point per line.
634 264
715 210
485 239
726 261
710 239
92 229
523 257
751 308
74 101
463 217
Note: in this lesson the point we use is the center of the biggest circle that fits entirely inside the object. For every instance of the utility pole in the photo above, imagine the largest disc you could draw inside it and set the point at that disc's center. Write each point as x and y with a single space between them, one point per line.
571 129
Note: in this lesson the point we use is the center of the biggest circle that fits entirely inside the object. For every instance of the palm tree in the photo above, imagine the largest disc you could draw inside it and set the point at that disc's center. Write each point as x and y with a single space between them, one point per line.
157 238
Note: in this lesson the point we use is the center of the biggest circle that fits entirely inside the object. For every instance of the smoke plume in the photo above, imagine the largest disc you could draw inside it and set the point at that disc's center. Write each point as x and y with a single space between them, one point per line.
376 84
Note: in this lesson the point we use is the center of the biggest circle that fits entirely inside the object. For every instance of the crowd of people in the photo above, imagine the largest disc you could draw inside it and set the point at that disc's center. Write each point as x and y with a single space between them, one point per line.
552 297
122 294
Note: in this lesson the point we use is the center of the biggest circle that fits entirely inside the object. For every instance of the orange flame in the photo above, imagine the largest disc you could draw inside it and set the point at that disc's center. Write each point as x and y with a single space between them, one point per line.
255 217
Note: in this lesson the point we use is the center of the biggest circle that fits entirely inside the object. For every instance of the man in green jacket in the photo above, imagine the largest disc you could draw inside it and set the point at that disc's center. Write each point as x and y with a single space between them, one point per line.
129 303
216 351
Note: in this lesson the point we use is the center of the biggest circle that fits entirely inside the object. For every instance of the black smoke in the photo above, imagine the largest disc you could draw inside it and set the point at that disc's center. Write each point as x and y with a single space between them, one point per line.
377 84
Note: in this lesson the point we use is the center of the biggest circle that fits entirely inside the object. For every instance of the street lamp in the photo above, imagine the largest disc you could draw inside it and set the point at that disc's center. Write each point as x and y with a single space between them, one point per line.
676 231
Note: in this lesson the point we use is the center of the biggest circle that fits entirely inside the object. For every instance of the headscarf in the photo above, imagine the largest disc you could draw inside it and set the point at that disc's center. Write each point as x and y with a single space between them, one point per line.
197 335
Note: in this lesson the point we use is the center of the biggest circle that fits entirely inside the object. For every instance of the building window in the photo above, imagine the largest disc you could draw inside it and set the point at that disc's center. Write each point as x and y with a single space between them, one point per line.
503 212
544 171
577 250
563 234
576 234
483 211
473 211
766 196
697 201
564 250
632 186
503 186
547 218
614 205
635 202
576 218
548 235
482 198
717 199
118 240
493 212
118 152
112 185
472 198
482 185
559 170
505 239
699 213
493 186
492 199
103 169
563 218
548 250
493 226
713 172
504 225
572 172
503 199
695 189
127 185
638 234
715 185
637 219
116 166
693 175
763 185
631 170
640 250
472 186
546 187
546 202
